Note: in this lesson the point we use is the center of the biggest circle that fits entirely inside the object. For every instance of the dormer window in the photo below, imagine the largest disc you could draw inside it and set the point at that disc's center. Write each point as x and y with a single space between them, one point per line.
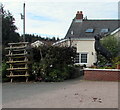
90 30
105 30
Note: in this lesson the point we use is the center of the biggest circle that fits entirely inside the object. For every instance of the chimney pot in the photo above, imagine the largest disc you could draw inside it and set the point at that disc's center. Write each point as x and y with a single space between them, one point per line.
77 12
79 15
80 12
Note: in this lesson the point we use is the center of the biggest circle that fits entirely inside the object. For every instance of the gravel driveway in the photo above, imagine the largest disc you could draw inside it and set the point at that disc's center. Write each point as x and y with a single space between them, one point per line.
75 93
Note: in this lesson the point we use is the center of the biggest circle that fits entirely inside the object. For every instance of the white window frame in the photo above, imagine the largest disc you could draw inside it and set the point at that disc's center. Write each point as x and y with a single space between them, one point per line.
79 62
81 59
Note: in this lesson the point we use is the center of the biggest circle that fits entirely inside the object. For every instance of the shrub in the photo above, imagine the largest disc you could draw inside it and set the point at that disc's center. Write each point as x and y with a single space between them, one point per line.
54 75
4 72
112 44
51 63
116 61
65 73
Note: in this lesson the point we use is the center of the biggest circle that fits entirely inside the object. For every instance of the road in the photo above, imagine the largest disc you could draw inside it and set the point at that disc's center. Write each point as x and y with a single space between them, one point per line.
75 93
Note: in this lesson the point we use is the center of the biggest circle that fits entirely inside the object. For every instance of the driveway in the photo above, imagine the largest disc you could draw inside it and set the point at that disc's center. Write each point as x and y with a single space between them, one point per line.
75 93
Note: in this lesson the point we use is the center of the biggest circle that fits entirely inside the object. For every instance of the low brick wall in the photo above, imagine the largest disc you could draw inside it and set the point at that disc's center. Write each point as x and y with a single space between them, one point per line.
102 74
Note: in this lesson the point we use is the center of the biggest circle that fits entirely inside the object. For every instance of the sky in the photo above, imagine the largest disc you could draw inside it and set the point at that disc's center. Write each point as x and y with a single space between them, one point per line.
53 17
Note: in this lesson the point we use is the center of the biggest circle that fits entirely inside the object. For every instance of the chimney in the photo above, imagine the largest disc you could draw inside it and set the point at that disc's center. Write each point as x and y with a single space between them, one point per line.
79 15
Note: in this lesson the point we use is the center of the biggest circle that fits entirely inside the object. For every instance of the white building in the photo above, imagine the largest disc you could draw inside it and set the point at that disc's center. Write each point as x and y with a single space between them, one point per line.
37 43
81 35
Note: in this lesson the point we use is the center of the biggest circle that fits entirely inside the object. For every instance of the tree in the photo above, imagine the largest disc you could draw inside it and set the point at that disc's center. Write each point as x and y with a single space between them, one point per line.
8 27
112 44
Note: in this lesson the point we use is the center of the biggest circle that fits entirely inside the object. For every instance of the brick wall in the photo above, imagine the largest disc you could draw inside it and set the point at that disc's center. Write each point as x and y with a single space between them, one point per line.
102 74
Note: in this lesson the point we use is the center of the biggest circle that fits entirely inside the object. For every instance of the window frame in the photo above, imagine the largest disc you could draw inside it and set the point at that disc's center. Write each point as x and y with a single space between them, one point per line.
89 30
78 59
82 59
104 30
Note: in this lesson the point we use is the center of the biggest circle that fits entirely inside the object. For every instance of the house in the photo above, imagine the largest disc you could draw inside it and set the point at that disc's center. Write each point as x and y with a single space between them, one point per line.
81 35
37 43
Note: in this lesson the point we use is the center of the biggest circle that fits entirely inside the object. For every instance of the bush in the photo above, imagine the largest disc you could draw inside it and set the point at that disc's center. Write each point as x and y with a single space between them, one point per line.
54 76
51 63
112 44
4 72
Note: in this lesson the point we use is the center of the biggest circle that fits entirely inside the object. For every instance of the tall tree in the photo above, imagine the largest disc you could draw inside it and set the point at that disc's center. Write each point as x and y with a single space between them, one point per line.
9 33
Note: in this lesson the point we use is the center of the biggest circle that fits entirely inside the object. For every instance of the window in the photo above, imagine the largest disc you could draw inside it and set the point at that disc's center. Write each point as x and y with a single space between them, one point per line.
104 30
89 30
81 58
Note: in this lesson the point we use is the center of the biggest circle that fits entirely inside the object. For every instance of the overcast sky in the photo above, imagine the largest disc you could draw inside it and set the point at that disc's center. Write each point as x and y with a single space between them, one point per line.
53 17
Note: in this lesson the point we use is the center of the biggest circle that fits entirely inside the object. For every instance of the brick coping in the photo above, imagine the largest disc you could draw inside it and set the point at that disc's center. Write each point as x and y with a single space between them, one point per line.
93 69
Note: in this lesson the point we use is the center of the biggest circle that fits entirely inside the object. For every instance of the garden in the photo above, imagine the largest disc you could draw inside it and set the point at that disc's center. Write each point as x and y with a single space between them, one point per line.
112 44
53 63
106 70
49 64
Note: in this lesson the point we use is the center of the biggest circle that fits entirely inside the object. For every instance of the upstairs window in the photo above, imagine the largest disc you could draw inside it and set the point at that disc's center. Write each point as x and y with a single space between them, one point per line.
105 30
89 30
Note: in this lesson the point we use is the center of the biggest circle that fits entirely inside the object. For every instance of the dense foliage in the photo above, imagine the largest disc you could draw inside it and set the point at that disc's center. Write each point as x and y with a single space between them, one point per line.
112 44
4 72
54 63
50 63
9 33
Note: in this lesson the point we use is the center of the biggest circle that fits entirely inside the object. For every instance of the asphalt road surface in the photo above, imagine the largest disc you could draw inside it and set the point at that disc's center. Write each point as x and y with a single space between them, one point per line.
75 93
